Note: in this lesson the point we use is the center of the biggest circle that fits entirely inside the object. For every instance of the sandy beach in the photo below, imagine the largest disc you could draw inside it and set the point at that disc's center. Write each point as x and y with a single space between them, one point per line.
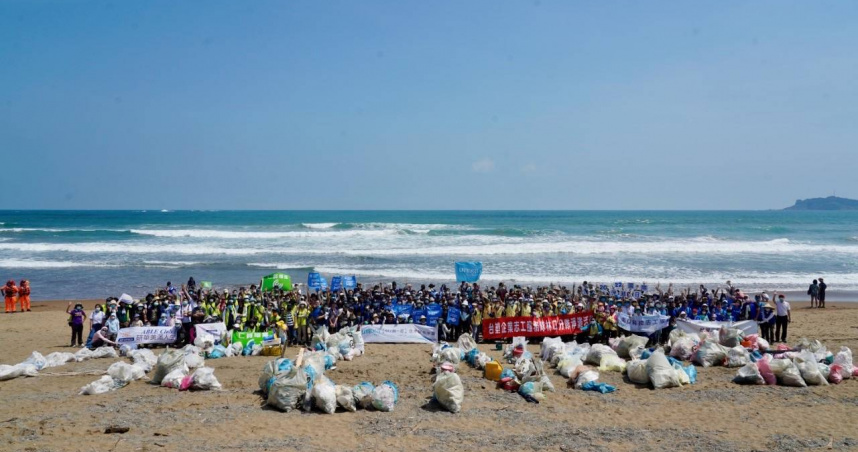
46 412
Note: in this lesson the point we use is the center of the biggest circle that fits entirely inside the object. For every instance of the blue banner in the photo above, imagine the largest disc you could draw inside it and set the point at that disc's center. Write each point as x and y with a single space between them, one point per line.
323 284
400 309
336 283
468 271
416 313
433 313
314 280
453 316
349 282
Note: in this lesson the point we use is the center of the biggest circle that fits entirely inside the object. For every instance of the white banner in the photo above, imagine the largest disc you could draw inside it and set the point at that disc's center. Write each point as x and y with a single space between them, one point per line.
642 323
146 335
215 329
696 326
407 334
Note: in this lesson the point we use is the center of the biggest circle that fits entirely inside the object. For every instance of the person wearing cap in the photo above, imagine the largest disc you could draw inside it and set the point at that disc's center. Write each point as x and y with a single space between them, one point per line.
96 321
783 317
10 291
101 338
76 318
476 321
766 320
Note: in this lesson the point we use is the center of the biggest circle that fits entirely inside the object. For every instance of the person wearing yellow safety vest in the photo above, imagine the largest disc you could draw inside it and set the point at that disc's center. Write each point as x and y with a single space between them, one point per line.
476 322
301 323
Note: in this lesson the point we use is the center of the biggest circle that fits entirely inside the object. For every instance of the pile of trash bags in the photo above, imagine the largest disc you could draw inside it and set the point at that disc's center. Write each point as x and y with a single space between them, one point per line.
569 358
287 385
806 364
31 366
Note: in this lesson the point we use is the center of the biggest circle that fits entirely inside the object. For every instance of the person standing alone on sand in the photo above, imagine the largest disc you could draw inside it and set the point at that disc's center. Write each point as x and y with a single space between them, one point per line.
76 319
821 298
782 318
9 292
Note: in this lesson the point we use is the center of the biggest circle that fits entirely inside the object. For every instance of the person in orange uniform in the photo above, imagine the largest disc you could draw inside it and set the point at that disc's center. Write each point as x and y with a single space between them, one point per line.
24 295
10 291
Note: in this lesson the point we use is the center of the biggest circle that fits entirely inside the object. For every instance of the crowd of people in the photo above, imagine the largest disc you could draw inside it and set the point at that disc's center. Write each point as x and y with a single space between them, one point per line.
295 314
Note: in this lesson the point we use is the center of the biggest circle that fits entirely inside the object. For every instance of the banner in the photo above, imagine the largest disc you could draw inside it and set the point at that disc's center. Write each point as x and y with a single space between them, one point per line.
215 329
647 324
276 281
314 280
336 283
468 271
535 326
400 309
146 335
453 315
263 338
433 313
696 326
401 334
349 282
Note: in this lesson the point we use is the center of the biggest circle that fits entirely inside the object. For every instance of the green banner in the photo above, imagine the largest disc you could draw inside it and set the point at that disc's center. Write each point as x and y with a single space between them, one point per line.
276 281
263 338
205 284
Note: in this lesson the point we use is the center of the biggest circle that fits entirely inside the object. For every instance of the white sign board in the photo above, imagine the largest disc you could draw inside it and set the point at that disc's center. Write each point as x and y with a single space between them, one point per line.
146 335
400 334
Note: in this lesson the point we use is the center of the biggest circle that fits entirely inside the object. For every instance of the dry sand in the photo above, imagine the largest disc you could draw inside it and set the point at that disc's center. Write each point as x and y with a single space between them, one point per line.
46 412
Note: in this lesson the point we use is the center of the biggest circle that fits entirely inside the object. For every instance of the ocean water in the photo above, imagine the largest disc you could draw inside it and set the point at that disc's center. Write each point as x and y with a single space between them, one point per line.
83 254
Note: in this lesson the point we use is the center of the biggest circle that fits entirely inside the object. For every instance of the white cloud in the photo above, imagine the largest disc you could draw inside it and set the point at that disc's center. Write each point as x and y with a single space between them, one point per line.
529 168
483 166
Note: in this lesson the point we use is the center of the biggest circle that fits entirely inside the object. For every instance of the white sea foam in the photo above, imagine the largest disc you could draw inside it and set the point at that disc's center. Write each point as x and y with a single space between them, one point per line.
126 248
264 235
25 263
319 225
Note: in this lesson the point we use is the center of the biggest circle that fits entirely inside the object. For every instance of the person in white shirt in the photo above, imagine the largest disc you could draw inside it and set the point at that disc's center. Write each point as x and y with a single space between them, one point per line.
782 319
96 320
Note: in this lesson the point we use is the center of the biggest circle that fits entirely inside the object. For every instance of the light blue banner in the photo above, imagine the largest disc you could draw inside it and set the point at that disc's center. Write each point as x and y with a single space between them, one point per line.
433 313
349 282
453 316
468 271
314 280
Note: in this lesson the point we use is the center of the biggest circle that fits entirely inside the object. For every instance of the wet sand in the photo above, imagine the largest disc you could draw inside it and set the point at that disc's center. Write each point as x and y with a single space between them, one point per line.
45 412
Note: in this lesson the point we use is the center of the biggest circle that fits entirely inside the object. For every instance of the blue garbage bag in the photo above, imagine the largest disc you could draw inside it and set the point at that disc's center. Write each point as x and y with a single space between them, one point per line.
604 388
219 351
248 349
645 354
692 373
507 373
329 362
673 361
472 357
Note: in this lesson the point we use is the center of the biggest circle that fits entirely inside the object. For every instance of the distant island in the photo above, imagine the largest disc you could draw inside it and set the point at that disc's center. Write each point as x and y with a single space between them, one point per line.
829 203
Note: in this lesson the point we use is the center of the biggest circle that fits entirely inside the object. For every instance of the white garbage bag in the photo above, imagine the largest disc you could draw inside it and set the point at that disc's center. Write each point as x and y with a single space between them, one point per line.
631 347
83 354
363 394
737 357
124 372
174 378
385 396
143 358
787 373
57 359
205 341
449 391
661 374
597 351
204 379
105 352
749 374
37 360
567 365
807 366
288 390
100 386
710 354
18 370
325 396
345 398
636 371
236 348
843 358
586 377
169 361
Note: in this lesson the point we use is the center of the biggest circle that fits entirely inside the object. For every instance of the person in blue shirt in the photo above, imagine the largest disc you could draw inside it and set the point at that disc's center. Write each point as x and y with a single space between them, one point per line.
318 315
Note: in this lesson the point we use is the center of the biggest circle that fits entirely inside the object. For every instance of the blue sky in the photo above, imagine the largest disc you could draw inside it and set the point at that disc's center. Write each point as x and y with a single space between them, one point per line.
427 105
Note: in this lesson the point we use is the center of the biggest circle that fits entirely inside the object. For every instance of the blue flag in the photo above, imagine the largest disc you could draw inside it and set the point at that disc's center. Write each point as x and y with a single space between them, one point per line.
433 313
336 283
400 309
468 271
349 282
453 316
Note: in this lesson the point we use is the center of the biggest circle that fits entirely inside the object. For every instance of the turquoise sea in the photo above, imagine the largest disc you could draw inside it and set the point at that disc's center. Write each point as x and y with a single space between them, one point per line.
83 254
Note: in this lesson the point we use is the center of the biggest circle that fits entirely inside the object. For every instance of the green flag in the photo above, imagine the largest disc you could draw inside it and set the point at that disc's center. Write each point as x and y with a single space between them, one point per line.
276 281
205 284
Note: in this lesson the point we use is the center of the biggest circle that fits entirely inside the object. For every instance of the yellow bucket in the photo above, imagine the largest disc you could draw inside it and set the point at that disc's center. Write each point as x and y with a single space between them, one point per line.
493 371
